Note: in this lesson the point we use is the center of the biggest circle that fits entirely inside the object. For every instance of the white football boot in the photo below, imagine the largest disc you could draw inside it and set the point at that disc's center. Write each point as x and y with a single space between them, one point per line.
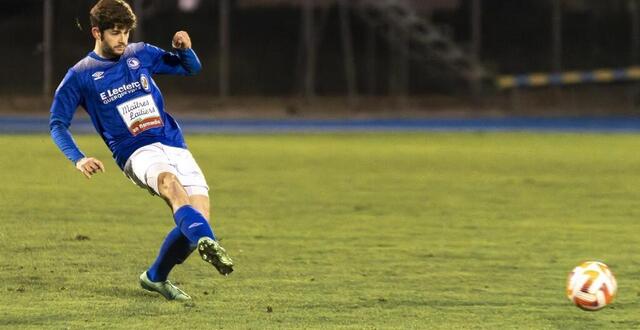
166 288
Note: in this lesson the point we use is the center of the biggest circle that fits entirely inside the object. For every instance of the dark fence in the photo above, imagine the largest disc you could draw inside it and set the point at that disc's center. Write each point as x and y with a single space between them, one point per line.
267 55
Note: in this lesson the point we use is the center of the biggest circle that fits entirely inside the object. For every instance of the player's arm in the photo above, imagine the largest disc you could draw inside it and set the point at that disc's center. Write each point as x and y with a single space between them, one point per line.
182 61
65 102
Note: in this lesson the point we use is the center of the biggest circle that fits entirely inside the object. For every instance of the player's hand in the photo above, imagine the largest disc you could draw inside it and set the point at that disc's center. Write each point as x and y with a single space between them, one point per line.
181 40
89 166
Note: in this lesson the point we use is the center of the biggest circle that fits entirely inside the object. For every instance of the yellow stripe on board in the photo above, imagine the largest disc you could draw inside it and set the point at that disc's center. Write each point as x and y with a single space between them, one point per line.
539 79
506 82
603 75
633 72
572 77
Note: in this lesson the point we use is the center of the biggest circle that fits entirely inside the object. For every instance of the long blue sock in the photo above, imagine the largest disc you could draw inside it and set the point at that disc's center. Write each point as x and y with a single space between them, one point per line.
174 250
192 224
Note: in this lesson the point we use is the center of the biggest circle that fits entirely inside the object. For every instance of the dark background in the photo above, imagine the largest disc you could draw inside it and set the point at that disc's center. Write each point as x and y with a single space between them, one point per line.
267 57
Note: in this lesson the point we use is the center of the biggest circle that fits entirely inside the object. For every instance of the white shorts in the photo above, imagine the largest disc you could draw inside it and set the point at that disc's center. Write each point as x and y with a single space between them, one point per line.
145 165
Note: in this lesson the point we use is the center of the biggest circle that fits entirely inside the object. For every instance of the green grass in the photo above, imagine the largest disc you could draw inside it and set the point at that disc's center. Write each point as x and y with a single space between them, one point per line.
441 230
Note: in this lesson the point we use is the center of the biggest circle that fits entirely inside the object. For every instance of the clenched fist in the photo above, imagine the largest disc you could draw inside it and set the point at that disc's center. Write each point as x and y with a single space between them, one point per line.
181 40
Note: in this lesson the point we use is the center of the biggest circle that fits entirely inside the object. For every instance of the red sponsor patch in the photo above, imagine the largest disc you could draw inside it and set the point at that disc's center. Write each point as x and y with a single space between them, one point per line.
145 124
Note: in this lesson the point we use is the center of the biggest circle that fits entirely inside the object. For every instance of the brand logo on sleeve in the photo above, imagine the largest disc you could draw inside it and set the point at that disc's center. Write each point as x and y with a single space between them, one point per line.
133 63
98 75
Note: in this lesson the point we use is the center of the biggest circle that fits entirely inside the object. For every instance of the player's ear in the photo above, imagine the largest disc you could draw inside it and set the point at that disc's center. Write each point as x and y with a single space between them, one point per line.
95 32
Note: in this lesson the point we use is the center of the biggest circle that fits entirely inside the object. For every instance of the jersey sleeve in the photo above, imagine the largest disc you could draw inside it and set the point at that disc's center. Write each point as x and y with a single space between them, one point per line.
65 102
179 62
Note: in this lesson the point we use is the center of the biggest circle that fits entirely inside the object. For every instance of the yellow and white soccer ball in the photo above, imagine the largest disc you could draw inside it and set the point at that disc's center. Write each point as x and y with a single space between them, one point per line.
591 286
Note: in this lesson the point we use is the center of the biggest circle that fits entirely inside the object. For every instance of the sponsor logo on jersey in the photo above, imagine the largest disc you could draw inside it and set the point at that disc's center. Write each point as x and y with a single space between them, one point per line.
140 114
98 75
144 81
116 93
133 63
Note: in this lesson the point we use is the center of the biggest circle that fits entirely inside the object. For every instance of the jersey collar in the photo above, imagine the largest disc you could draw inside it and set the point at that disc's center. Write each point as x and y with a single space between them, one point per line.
93 55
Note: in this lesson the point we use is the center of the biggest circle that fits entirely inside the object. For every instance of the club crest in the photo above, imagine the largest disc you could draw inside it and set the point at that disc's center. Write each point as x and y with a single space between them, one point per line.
144 81
133 63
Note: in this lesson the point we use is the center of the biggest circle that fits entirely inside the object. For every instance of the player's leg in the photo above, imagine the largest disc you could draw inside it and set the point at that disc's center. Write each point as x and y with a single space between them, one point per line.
192 223
176 248
195 185
210 250
201 203
154 167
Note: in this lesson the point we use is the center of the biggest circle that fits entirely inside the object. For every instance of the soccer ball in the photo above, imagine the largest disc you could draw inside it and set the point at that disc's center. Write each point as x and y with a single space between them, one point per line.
591 286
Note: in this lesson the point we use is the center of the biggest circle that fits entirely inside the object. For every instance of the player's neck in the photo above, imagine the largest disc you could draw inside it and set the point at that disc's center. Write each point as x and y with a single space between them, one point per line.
98 50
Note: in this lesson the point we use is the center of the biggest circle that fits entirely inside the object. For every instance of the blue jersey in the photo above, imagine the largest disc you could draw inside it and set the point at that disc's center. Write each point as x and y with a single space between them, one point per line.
124 103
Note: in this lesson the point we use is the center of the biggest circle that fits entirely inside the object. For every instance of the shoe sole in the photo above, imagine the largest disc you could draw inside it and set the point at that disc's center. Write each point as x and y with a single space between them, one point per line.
213 253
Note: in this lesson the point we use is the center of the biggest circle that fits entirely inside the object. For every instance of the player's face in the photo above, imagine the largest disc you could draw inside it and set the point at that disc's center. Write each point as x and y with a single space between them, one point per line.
114 41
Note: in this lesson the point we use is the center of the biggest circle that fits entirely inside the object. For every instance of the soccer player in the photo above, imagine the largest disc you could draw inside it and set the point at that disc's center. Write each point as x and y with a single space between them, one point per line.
114 85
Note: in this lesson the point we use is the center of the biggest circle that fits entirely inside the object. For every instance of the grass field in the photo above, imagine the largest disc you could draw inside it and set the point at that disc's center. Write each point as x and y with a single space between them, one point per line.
363 231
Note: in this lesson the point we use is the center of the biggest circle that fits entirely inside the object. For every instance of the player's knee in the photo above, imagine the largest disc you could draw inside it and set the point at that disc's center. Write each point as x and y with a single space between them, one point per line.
167 181
170 187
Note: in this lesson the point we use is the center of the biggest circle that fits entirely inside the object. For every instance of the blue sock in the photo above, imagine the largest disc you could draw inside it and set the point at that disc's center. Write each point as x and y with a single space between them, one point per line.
174 250
192 224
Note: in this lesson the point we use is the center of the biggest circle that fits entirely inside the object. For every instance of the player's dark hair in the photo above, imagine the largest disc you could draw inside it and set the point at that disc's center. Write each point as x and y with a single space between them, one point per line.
107 14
